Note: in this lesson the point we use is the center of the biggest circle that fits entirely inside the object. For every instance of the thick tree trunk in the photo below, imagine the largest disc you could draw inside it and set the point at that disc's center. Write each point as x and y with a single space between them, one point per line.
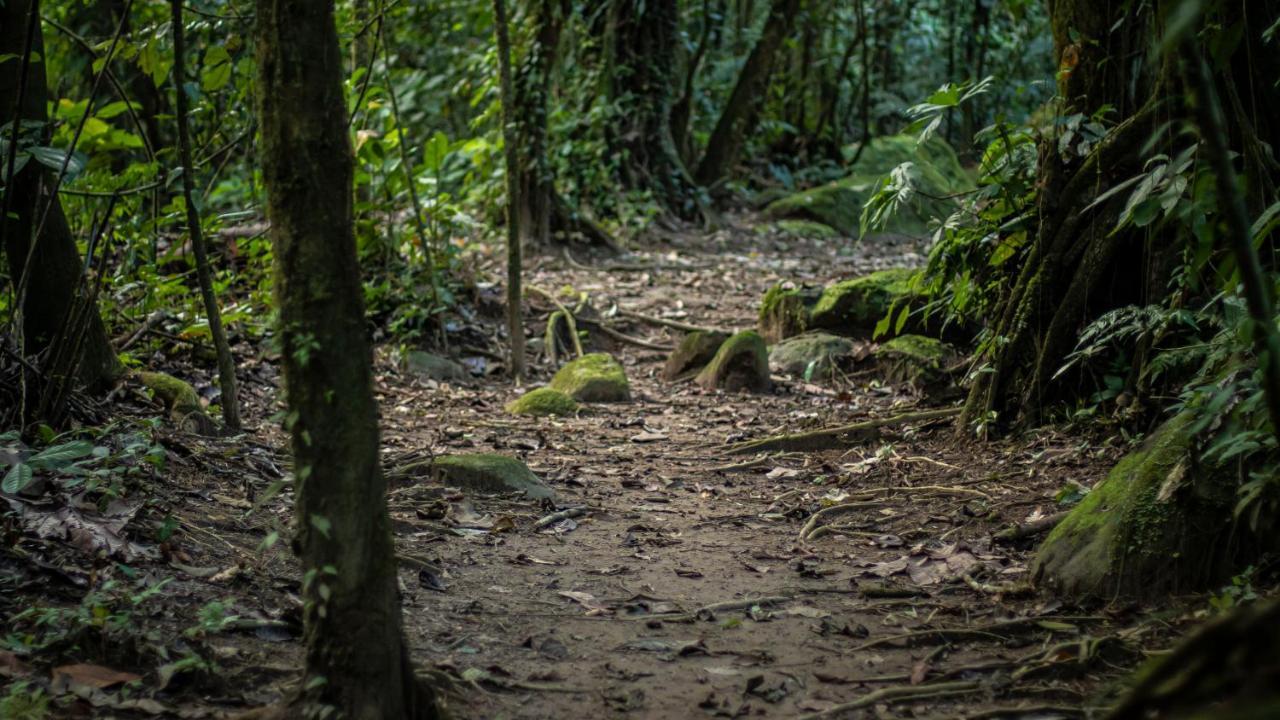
741 112
356 658
54 274
1077 268
642 51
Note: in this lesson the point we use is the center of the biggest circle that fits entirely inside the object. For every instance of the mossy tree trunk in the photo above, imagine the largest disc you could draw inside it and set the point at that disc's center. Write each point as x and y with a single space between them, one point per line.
42 254
741 111
1076 268
356 658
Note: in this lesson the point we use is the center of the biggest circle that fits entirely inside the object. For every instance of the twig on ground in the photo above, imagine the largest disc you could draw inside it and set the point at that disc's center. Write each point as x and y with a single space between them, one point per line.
1029 529
837 437
558 516
901 693
834 510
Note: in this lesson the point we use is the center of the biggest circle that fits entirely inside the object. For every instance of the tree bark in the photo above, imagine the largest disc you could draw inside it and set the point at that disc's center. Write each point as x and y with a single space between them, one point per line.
356 658
516 201
204 275
55 277
741 111
642 52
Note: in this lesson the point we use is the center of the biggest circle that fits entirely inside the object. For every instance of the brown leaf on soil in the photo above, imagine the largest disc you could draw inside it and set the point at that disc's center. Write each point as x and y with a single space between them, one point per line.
94 676
11 666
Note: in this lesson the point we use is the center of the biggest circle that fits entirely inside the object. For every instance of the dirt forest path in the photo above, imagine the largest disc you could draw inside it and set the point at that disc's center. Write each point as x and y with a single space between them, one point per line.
682 587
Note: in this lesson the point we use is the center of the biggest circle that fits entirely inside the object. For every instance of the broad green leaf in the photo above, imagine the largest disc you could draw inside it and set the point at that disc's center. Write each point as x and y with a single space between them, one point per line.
53 158
18 477
58 456
217 69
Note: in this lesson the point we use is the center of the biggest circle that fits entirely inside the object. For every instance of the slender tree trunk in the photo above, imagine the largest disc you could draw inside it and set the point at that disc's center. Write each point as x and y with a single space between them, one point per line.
55 275
226 363
515 200
356 658
741 112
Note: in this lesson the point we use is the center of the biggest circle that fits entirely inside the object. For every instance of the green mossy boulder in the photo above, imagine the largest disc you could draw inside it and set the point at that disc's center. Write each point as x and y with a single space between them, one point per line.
854 307
488 473
838 204
915 360
692 354
813 356
784 312
593 378
433 367
543 401
180 401
807 229
1157 524
741 363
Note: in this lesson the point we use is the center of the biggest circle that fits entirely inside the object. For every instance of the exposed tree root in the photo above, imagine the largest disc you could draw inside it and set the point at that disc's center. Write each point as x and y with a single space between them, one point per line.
837 437
901 693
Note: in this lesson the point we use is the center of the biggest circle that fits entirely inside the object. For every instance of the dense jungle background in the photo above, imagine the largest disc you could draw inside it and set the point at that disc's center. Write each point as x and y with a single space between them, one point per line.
639 358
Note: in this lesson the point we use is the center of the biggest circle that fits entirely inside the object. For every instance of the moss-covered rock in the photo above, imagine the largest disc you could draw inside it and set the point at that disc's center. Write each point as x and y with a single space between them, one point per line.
1151 527
807 229
811 356
915 359
433 367
180 401
596 377
838 204
488 473
854 307
741 363
543 401
784 311
692 354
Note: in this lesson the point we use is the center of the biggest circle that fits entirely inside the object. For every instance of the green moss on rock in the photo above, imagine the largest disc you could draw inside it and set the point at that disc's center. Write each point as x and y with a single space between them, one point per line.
543 401
784 312
692 354
915 359
593 378
434 367
839 204
807 229
812 356
180 401
854 307
488 473
741 363
1149 528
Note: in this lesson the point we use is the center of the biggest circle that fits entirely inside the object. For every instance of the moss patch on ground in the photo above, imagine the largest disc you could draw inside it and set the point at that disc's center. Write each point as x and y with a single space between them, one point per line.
596 377
180 401
692 354
741 363
489 473
784 312
1149 528
854 307
543 401
807 229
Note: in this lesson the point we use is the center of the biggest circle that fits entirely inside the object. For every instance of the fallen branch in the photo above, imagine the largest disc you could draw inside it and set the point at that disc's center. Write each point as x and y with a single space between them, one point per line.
674 324
837 437
556 517
834 510
901 693
1029 529
621 337
997 631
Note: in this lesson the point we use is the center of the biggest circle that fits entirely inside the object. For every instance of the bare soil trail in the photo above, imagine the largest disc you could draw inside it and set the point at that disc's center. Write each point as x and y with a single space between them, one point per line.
683 581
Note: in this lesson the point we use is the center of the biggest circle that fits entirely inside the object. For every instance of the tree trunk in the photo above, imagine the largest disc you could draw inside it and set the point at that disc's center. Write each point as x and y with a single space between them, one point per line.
1076 267
54 274
356 658
741 112
517 203
642 50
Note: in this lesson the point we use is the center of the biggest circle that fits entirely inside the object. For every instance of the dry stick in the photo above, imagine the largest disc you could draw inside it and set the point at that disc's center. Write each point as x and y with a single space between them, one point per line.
515 327
1030 529
990 631
836 437
834 510
226 363
675 324
558 516
568 318
622 337
901 693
